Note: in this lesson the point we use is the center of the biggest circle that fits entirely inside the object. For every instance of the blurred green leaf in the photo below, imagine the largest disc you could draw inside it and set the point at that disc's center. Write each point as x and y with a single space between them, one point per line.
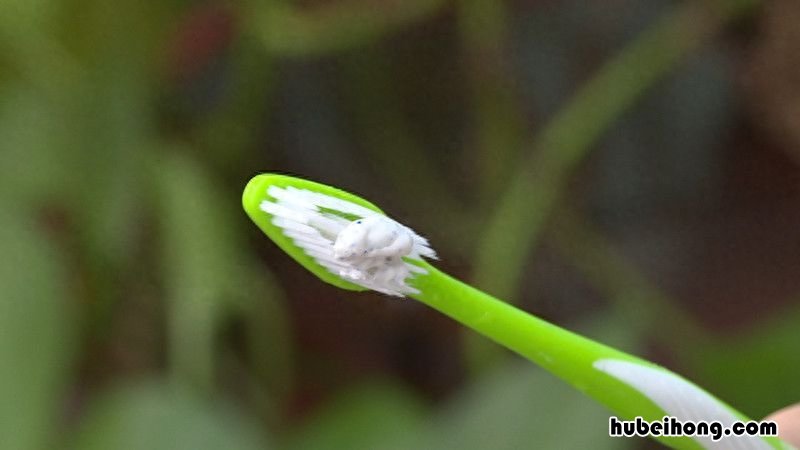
197 263
756 372
35 335
209 275
288 30
519 405
371 416
112 134
28 44
515 406
498 126
262 305
26 13
31 158
109 111
156 416
226 133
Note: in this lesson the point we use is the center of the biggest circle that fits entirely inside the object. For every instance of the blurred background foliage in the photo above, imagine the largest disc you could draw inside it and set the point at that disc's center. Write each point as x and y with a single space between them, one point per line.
626 168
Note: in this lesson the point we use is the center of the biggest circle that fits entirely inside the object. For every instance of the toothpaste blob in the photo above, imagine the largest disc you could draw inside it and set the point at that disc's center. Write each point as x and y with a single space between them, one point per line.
360 245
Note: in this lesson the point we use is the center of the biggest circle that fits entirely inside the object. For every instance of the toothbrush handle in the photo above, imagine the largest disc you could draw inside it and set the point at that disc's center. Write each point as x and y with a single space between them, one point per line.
567 355
563 353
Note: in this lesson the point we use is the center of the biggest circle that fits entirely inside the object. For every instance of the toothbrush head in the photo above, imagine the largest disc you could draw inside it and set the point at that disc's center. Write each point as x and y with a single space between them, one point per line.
340 237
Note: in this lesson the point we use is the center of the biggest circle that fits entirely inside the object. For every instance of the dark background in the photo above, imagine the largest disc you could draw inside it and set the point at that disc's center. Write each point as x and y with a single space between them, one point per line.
625 168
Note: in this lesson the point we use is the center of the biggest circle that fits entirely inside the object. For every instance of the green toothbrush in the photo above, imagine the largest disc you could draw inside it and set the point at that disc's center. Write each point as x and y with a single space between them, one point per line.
350 243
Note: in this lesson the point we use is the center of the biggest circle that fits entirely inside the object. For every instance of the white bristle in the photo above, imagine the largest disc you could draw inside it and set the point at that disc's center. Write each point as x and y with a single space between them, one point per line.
280 211
285 196
288 224
329 202
326 226
368 251
323 249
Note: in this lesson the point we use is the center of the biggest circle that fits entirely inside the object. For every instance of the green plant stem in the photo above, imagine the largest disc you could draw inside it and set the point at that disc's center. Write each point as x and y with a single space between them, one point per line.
648 308
516 223
498 127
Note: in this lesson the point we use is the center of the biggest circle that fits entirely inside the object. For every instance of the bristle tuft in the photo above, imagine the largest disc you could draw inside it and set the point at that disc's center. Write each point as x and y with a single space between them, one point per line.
311 221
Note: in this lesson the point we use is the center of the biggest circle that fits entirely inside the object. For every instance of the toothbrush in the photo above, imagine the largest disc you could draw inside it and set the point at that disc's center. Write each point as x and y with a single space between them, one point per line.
350 243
